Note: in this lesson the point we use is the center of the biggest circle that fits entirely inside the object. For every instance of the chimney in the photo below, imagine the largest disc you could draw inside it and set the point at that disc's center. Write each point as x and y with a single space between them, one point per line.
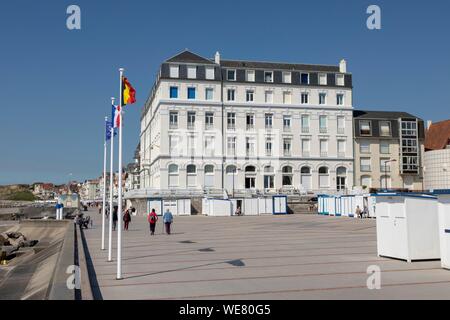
429 123
343 66
217 58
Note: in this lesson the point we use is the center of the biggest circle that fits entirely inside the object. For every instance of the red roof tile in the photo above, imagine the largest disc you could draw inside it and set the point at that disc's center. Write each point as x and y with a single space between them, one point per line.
438 136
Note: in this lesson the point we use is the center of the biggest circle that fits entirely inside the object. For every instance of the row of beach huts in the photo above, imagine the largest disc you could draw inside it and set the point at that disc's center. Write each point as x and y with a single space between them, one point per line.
410 226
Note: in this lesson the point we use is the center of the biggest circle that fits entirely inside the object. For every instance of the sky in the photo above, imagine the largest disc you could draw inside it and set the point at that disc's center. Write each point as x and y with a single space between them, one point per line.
56 84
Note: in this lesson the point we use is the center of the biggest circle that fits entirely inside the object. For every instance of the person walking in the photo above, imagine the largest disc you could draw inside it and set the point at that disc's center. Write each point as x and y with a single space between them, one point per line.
358 212
126 219
115 217
167 219
152 219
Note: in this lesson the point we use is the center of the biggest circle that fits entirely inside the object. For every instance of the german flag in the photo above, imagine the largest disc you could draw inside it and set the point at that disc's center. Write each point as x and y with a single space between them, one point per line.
128 93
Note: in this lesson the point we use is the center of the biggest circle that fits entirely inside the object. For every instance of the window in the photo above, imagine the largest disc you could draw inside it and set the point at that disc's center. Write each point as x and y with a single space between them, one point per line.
174 71
191 145
173 175
340 99
268 146
231 120
287 97
249 95
322 98
250 75
191 93
323 124
324 177
322 79
364 147
384 148
269 120
191 120
287 147
209 94
366 181
287 77
231 75
304 78
305 178
191 173
305 124
385 128
210 73
173 120
409 128
340 80
410 163
365 128
250 177
209 120
287 123
268 76
341 124
173 145
304 98
323 148
341 148
306 145
287 175
250 146
209 145
230 94
231 146
209 175
250 121
385 165
269 177
173 92
192 72
268 96
365 164
409 145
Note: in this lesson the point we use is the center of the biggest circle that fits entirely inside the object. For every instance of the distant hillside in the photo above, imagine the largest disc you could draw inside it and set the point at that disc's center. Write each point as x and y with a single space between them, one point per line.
18 192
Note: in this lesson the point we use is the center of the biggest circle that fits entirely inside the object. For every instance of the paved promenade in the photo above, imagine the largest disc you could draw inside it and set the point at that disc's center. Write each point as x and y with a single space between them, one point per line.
266 257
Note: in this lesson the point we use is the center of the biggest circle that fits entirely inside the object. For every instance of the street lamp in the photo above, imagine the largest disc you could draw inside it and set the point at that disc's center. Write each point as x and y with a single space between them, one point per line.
234 173
385 171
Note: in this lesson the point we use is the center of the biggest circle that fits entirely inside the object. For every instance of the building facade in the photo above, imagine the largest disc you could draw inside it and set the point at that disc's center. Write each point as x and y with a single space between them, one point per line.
437 156
213 125
389 147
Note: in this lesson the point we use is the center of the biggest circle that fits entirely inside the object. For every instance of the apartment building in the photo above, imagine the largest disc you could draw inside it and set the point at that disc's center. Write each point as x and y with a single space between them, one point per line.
437 156
389 147
247 126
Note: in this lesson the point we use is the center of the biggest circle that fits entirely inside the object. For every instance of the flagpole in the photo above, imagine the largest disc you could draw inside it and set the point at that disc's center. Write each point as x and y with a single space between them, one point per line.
111 190
119 211
104 188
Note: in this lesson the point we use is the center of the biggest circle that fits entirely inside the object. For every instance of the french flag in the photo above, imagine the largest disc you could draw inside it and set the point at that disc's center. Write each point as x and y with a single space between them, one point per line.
116 116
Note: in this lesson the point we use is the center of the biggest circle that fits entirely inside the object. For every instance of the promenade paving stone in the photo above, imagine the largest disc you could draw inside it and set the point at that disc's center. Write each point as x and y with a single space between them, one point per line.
264 257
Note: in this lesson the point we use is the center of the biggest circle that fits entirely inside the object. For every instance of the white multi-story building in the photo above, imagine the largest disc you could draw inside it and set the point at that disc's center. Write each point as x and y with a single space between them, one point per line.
234 126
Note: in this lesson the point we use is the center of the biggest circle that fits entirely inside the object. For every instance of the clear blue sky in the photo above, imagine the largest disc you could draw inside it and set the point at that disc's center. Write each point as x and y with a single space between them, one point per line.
56 84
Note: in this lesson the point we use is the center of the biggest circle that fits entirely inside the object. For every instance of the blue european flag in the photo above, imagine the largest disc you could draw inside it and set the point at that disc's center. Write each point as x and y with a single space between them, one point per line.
108 126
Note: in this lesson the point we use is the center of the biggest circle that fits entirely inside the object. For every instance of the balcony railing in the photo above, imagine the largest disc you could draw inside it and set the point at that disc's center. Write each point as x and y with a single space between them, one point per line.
287 128
323 130
323 154
305 129
173 126
231 126
341 130
209 126
250 127
191 126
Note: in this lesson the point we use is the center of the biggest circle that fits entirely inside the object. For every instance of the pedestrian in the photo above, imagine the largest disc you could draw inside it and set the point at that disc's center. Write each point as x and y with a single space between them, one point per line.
152 219
238 211
168 219
115 218
365 212
358 212
126 219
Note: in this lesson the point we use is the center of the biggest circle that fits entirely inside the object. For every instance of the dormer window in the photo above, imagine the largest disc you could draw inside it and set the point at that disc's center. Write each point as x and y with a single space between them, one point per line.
174 71
231 75
323 79
250 75
287 77
268 76
210 74
340 80
192 72
304 78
